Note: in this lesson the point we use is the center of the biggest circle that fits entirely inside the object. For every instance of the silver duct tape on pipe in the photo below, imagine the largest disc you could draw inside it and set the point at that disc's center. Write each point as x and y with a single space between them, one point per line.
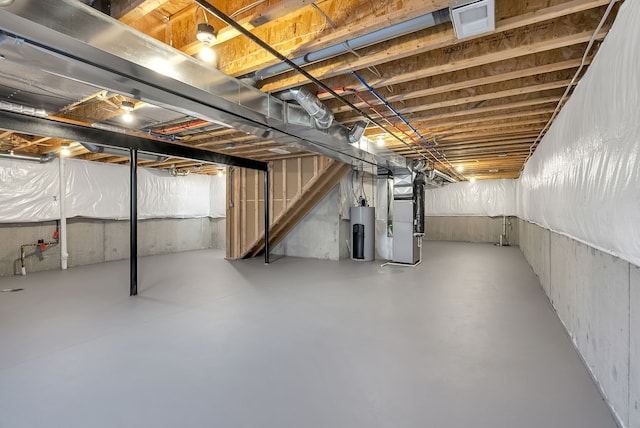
384 34
320 112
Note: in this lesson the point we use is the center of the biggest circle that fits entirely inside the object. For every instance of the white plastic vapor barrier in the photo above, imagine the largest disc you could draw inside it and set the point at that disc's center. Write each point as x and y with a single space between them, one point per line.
188 196
98 190
584 178
217 196
30 192
481 198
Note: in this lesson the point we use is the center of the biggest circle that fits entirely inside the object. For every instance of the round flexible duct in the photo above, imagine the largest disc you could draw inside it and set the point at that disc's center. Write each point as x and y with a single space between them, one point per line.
321 113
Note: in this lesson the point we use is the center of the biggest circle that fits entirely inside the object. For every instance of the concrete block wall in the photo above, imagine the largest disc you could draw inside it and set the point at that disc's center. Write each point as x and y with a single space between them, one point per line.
597 298
96 241
468 229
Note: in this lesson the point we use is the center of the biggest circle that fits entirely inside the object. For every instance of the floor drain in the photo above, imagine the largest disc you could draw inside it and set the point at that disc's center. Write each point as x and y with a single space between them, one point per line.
11 290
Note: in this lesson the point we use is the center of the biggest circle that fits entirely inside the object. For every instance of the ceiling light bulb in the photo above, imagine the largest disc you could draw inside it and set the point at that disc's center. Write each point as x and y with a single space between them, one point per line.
127 117
207 54
380 140
64 149
459 168
206 34
127 106
472 180
220 173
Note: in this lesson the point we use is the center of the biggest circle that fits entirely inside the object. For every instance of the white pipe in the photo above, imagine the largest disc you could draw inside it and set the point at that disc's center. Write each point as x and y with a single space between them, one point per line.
26 156
64 255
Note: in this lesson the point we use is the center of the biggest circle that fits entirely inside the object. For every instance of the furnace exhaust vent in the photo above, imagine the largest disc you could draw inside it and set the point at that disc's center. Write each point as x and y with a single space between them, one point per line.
473 17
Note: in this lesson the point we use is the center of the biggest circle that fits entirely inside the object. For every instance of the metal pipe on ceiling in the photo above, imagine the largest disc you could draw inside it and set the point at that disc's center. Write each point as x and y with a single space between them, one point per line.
379 36
391 160
54 37
18 108
27 156
320 112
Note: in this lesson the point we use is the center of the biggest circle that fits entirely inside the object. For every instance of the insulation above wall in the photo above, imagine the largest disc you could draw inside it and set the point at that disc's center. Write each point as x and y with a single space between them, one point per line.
481 198
30 192
583 180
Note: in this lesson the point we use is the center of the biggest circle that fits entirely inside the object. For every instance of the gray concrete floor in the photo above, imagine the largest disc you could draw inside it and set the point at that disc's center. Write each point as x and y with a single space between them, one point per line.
467 339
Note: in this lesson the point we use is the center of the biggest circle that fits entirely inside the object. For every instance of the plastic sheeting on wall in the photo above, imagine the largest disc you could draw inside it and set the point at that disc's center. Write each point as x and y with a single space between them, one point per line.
584 178
98 190
161 193
30 192
217 196
481 198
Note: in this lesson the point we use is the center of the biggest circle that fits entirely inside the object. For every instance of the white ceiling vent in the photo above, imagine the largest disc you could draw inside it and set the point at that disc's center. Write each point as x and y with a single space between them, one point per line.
473 17
279 151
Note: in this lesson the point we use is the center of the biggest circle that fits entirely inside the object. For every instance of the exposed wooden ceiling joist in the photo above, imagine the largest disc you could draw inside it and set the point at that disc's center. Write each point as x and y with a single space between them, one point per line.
483 101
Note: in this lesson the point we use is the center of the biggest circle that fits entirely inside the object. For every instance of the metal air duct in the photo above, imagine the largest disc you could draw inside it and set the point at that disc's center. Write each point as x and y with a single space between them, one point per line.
118 151
60 37
320 112
17 108
382 35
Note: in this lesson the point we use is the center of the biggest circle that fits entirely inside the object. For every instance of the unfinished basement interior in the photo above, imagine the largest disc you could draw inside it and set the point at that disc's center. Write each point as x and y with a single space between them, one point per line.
331 213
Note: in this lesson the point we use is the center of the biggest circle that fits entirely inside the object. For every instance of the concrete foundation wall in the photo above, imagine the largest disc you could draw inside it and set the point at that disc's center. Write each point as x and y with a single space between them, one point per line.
96 241
597 298
323 235
319 233
468 229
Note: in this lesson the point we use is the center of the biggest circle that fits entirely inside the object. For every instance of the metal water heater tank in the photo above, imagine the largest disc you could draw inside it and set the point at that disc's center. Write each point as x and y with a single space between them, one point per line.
362 233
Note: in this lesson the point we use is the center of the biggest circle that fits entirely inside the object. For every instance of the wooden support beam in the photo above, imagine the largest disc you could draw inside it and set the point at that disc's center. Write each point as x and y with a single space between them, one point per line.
311 194
278 10
303 34
447 55
538 121
474 77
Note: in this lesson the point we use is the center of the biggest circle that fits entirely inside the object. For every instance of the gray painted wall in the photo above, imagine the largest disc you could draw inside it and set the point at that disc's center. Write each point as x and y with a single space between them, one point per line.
96 241
469 229
597 298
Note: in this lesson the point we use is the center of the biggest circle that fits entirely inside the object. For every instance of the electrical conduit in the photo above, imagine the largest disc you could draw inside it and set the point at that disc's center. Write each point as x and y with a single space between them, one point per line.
429 146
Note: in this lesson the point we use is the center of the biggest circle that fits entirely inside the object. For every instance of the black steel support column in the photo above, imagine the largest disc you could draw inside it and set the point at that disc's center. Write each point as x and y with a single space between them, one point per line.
266 216
133 218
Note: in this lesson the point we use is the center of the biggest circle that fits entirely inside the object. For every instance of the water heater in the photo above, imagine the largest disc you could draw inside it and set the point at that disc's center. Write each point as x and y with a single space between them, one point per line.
362 233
